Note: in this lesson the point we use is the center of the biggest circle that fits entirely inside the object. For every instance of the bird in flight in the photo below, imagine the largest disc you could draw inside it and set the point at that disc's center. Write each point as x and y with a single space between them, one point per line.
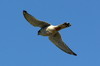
51 31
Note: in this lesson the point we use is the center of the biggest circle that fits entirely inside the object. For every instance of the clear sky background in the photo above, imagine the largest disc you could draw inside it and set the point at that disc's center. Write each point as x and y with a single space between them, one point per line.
21 46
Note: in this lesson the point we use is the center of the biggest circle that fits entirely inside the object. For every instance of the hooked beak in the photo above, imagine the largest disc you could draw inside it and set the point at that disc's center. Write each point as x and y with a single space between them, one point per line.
39 32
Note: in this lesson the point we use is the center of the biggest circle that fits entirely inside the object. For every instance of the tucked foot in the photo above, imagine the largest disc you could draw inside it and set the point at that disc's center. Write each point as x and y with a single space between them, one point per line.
67 24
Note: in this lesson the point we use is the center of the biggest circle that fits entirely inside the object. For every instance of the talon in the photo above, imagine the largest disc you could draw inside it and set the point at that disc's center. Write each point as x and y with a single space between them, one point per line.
67 24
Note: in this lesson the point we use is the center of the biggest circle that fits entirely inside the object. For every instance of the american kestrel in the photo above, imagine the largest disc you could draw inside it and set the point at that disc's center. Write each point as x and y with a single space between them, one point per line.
51 31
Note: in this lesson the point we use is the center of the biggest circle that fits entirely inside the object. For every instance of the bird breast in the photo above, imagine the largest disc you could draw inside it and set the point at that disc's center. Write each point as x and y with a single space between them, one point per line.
47 31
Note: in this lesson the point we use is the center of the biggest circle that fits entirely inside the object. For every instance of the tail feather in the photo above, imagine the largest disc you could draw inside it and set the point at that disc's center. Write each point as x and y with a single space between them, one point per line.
62 26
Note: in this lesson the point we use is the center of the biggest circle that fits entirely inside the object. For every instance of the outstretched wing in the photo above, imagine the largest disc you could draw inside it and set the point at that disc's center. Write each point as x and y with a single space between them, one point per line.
35 22
56 39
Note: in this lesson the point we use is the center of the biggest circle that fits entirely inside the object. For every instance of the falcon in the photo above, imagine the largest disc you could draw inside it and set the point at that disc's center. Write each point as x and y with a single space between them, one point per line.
51 31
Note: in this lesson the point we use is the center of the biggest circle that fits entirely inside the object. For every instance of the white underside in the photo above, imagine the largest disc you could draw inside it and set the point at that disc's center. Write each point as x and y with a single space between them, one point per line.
48 31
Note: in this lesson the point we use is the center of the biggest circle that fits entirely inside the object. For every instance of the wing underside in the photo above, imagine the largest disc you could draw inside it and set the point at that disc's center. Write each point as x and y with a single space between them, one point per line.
35 22
56 39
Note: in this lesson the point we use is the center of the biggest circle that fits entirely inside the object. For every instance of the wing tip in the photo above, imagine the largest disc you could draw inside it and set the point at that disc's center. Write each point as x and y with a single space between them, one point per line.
24 11
74 54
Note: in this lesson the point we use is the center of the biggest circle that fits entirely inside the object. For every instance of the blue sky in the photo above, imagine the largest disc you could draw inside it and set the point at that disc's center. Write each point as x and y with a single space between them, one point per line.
21 46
